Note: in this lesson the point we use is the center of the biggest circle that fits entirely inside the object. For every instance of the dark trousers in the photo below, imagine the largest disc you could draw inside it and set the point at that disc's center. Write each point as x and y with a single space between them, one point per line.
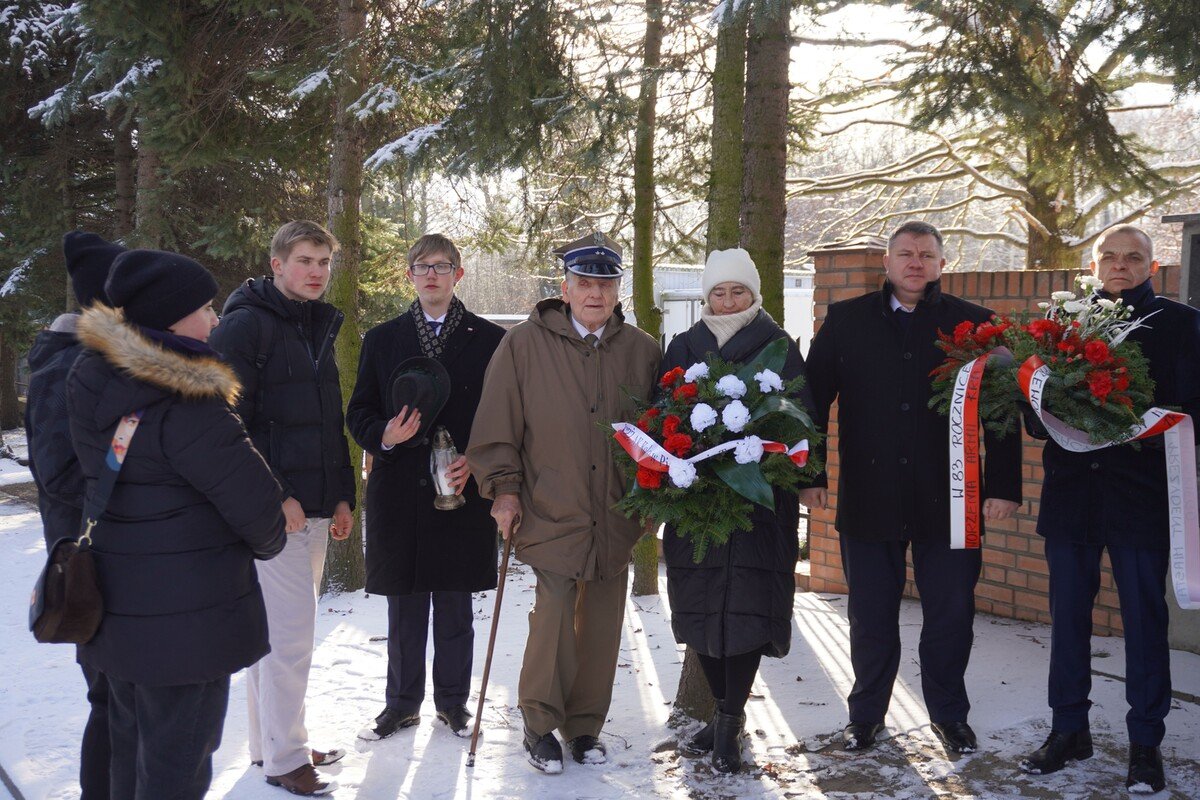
875 574
94 753
1141 578
163 738
453 649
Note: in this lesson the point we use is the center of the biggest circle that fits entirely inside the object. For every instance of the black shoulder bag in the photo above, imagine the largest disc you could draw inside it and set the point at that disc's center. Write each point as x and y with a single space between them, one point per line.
67 606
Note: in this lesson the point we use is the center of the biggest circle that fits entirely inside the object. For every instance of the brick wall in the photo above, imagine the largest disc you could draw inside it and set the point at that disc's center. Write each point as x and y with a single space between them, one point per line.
1014 581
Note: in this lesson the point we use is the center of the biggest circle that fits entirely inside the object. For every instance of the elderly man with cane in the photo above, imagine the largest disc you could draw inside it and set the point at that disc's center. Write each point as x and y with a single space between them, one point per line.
538 451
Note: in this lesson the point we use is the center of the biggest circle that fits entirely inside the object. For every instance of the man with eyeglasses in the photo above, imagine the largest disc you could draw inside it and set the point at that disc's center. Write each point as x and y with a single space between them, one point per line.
418 556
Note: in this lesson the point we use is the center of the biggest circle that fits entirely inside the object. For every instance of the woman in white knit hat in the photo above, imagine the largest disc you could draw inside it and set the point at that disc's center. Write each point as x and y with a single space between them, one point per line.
735 606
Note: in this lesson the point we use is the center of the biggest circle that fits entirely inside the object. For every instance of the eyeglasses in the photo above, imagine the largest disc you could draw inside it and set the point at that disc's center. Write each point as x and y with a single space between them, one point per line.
441 268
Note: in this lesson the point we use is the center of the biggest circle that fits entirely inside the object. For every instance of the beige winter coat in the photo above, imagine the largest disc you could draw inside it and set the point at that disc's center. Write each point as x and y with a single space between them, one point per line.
542 432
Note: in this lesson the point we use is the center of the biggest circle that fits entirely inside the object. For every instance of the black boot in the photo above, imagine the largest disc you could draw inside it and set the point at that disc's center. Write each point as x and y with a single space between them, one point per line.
544 752
727 745
701 742
1057 751
1145 770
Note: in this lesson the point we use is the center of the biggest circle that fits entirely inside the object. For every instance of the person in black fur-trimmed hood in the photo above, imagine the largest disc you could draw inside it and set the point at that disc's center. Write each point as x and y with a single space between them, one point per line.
193 507
278 336
873 354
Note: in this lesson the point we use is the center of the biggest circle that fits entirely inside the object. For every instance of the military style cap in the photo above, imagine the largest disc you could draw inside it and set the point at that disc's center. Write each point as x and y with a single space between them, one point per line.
594 255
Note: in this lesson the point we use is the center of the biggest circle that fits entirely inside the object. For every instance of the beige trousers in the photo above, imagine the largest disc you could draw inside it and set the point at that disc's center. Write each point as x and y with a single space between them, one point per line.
571 654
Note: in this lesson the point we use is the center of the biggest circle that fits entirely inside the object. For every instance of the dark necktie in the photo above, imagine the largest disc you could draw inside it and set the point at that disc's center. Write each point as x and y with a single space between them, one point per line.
437 328
591 339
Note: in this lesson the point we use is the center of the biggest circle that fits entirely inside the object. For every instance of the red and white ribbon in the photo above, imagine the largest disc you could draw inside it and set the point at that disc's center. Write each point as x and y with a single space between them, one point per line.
1179 443
964 456
648 453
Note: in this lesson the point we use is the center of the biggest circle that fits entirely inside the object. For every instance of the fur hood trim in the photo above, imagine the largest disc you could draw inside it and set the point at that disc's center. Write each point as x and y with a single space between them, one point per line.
104 330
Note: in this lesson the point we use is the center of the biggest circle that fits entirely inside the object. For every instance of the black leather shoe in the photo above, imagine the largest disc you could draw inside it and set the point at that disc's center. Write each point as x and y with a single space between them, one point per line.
701 742
457 719
957 737
588 750
860 736
1057 751
545 753
388 723
727 744
1145 770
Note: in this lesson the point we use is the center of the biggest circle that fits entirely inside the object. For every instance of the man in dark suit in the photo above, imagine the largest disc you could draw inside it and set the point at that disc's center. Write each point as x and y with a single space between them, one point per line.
419 556
1116 499
873 354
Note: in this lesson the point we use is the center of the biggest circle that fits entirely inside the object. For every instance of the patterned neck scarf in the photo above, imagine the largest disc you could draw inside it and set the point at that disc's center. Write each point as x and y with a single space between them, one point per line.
432 344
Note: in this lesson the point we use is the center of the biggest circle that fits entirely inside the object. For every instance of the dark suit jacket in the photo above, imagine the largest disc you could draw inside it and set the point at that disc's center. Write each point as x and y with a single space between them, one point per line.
893 449
411 546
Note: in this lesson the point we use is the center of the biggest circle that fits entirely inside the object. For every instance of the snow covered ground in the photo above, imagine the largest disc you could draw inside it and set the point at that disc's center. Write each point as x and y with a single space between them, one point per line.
797 708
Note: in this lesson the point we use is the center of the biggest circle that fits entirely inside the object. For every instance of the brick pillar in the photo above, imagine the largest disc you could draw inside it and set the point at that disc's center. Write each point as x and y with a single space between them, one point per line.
843 270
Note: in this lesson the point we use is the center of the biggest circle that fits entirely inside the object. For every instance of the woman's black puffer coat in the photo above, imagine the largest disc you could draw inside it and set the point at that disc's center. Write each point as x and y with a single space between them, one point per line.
194 505
739 598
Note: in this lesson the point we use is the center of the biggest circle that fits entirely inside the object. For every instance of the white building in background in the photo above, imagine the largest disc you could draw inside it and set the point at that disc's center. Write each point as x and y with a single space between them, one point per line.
678 292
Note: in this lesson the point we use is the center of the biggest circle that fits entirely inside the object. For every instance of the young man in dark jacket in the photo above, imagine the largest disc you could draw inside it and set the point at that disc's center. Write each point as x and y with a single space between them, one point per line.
55 466
278 336
873 354
1116 499
420 557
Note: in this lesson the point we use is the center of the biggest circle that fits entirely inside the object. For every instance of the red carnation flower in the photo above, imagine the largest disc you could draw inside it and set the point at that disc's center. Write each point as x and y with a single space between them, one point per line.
652 412
686 392
1044 328
671 424
678 444
671 378
1121 382
1100 384
649 479
645 421
962 333
1096 351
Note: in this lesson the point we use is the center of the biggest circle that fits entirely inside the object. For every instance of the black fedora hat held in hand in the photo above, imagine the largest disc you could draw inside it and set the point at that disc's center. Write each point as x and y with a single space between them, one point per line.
421 383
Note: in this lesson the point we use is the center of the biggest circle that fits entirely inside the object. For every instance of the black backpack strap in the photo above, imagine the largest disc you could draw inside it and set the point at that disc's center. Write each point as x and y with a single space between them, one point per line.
262 354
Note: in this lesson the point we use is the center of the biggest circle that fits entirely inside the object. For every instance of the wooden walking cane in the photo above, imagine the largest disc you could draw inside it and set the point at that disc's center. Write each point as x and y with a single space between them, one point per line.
487 664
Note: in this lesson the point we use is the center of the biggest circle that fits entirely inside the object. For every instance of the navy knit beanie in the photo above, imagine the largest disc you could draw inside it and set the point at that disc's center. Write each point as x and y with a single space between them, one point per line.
89 259
156 288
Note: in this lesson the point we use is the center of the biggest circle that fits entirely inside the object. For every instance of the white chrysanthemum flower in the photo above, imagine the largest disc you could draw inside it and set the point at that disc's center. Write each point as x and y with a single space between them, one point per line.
1043 306
1089 282
695 372
682 473
1062 297
1106 304
768 381
731 386
748 450
1074 307
735 416
703 416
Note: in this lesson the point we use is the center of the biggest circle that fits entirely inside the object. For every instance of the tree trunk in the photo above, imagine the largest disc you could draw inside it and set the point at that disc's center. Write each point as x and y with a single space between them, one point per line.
10 410
764 182
125 168
345 568
649 316
150 221
694 698
725 171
